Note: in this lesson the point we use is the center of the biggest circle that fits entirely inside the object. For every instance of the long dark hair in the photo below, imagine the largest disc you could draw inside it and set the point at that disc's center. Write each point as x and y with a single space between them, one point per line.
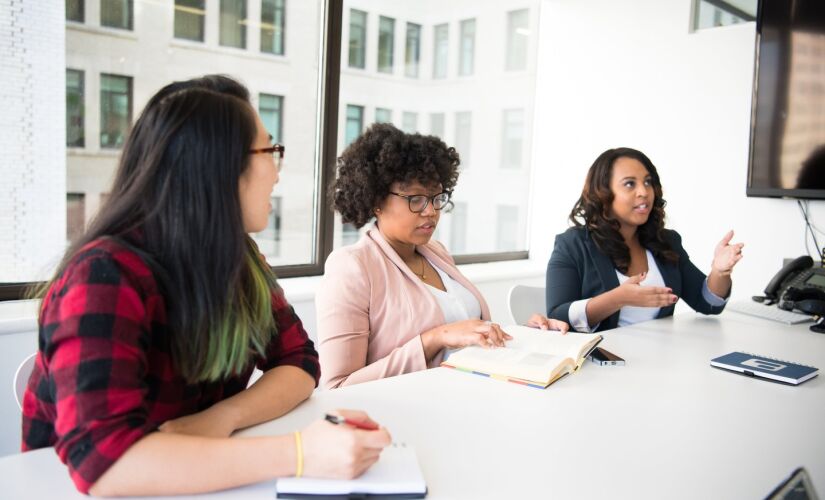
592 210
175 200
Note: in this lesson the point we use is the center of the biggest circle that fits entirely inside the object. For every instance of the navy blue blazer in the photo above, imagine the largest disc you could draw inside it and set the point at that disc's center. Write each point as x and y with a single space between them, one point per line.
579 270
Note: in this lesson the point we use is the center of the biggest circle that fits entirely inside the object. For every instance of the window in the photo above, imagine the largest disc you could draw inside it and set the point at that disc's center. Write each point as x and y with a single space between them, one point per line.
441 49
355 123
712 14
517 36
116 14
357 39
115 110
437 124
386 37
383 115
409 122
269 240
412 51
458 228
75 215
273 19
463 133
349 235
270 107
233 23
189 18
466 54
512 138
507 230
74 10
75 107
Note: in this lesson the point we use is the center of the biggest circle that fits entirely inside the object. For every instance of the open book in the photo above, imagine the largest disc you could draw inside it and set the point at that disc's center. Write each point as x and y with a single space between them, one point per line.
534 357
395 475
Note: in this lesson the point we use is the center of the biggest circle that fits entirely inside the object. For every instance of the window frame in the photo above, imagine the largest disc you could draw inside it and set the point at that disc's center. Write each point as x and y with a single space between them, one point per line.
327 152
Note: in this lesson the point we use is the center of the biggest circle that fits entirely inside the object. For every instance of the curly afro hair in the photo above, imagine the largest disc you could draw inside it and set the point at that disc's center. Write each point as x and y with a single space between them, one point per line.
381 156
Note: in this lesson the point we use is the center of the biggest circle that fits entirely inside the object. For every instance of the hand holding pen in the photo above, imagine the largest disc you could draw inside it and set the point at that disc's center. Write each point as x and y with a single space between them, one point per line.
367 425
343 450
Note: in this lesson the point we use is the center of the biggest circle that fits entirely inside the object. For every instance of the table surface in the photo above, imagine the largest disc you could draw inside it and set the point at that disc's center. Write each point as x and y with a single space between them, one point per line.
666 425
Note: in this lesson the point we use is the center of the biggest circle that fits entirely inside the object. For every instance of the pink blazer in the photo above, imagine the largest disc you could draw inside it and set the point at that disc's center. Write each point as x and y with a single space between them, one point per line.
371 310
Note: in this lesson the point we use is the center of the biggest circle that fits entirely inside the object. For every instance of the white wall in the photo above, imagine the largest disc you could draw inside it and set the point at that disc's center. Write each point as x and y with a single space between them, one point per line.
631 74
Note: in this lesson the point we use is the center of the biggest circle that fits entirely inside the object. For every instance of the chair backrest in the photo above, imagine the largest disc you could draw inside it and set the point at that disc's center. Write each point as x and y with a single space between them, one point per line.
524 301
21 378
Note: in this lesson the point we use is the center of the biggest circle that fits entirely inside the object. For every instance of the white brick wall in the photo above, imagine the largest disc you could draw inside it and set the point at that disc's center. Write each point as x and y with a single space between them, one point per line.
32 138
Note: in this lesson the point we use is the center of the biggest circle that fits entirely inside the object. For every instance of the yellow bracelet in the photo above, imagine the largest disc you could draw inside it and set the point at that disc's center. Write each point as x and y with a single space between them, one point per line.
299 455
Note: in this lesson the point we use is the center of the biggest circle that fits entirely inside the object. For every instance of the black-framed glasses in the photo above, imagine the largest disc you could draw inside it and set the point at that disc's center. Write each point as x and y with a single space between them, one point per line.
418 202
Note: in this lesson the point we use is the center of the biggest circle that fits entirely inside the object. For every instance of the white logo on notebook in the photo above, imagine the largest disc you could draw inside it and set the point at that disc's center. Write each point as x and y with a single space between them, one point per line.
764 365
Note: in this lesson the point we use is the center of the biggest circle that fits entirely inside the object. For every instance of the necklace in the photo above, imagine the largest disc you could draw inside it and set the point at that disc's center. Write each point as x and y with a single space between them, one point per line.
421 274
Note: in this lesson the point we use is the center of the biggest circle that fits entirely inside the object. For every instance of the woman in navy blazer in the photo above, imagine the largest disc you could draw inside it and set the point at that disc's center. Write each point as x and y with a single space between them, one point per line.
618 265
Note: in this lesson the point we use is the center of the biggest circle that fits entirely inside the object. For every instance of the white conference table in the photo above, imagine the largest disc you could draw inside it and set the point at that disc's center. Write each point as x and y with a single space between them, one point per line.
666 425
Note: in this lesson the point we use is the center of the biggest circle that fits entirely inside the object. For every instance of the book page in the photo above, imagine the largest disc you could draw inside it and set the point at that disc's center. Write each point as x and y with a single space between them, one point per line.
573 345
396 472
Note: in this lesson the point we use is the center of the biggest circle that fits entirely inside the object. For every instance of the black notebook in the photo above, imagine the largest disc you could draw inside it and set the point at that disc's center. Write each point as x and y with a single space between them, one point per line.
395 475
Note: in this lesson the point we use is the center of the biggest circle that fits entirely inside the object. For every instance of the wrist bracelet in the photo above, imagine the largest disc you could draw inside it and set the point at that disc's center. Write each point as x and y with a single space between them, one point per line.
299 455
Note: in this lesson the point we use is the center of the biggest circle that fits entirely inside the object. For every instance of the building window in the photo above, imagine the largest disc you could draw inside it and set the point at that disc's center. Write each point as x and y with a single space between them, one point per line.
412 51
75 107
270 108
116 14
463 133
386 43
712 14
75 216
189 19
357 39
74 10
517 36
440 50
269 240
458 228
507 228
466 55
437 124
115 110
409 122
383 115
273 20
349 234
355 122
512 138
233 24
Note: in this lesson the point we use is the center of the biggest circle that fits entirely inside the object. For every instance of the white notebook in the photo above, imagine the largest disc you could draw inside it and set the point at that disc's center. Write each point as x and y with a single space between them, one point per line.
395 475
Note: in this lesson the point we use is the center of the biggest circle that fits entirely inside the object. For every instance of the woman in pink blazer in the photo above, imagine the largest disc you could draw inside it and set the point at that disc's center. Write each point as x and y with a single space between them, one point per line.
394 302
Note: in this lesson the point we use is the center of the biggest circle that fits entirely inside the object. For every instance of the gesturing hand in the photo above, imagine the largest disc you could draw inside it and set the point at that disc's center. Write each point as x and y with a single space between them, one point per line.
631 293
726 255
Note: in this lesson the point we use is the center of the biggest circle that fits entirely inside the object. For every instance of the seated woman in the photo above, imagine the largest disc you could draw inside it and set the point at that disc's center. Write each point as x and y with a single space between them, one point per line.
395 300
618 265
158 315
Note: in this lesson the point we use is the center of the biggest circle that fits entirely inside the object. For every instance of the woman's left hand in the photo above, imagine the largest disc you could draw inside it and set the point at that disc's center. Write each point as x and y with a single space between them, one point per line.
545 323
209 423
726 255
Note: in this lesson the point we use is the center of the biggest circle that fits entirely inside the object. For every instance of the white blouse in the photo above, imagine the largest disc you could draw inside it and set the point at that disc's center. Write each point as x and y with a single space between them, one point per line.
457 303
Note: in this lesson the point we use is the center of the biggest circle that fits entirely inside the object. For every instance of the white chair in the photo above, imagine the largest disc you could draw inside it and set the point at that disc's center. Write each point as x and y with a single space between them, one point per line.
21 378
524 301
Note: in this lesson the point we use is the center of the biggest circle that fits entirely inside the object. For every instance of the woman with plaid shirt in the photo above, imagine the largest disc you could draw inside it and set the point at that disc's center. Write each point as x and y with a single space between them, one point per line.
156 318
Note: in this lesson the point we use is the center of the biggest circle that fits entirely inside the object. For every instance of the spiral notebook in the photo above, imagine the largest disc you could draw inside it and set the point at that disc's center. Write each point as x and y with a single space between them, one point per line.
763 367
395 475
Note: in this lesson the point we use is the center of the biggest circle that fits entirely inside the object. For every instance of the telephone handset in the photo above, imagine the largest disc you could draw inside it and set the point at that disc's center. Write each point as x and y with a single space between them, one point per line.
789 272
799 285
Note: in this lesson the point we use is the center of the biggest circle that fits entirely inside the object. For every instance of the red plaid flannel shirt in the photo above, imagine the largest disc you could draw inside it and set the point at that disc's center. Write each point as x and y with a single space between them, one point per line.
104 378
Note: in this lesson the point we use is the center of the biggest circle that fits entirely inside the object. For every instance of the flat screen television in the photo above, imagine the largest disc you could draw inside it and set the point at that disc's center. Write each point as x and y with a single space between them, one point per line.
787 140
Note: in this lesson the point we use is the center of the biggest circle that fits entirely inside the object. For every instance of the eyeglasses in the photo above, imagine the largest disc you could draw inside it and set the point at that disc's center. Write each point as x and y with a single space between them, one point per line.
272 150
418 203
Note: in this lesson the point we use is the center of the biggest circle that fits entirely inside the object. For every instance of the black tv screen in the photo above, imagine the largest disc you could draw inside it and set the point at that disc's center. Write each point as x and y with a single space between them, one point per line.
787 142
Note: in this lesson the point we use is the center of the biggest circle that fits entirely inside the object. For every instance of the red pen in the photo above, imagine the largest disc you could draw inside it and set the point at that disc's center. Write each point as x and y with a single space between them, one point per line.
338 420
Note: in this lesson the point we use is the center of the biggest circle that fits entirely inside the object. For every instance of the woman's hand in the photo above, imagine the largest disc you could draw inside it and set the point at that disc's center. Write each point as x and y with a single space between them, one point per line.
725 256
462 334
342 451
212 422
545 323
631 293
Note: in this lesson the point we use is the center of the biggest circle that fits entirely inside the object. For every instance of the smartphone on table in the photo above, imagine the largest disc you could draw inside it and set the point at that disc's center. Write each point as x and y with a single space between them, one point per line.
604 357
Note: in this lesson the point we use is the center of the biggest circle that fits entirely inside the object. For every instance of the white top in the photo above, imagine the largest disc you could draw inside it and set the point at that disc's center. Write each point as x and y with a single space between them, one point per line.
457 303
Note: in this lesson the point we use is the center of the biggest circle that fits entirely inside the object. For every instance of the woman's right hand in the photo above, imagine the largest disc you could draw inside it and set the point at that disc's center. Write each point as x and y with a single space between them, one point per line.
341 451
631 293
462 334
